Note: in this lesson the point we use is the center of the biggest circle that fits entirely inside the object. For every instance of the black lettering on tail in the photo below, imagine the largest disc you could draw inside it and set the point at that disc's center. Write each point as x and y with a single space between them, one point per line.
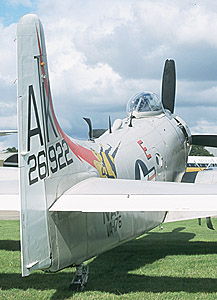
37 130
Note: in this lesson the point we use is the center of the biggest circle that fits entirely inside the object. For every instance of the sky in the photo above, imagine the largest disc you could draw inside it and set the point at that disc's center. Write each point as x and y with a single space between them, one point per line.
100 53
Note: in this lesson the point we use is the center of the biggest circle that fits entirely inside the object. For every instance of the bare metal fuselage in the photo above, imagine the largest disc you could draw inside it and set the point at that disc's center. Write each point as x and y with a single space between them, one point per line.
154 148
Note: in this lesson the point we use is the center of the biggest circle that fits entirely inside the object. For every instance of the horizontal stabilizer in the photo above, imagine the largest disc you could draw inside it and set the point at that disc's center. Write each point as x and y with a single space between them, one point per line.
108 195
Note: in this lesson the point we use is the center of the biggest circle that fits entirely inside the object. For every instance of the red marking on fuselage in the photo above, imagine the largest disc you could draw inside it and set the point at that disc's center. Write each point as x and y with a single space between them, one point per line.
152 177
140 142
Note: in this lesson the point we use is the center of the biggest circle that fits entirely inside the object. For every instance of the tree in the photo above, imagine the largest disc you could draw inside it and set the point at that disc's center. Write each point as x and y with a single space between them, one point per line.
13 149
199 151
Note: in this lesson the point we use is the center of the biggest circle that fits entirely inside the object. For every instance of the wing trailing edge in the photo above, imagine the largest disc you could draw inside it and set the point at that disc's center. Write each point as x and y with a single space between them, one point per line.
108 195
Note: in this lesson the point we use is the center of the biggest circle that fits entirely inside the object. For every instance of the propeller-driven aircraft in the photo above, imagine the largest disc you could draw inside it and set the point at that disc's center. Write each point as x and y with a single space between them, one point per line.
81 198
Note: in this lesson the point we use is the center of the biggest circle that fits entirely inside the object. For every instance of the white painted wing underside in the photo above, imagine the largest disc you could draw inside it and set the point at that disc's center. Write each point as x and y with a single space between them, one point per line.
183 201
105 195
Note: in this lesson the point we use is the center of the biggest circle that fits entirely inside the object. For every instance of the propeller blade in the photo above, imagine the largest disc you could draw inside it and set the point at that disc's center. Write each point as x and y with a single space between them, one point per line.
204 140
169 85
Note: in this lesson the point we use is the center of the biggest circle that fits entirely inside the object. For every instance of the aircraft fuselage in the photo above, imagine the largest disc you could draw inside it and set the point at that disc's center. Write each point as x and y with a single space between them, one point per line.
154 148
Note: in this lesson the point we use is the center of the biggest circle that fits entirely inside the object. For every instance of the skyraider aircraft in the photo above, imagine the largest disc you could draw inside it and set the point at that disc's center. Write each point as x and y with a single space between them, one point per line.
81 198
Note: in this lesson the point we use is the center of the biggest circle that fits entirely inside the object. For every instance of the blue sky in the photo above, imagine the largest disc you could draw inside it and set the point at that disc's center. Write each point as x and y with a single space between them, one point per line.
12 11
100 53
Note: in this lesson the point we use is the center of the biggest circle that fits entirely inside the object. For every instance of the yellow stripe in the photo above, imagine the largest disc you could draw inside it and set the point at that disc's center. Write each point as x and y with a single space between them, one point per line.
194 169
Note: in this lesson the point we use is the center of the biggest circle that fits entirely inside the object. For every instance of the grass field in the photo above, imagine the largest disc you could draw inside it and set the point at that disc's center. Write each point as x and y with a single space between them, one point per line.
178 262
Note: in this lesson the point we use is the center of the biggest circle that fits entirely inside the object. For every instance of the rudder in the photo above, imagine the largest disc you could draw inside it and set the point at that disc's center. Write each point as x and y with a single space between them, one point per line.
36 128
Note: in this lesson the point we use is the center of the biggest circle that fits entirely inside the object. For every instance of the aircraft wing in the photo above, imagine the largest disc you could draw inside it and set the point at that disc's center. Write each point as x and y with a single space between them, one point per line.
9 189
109 195
7 132
181 200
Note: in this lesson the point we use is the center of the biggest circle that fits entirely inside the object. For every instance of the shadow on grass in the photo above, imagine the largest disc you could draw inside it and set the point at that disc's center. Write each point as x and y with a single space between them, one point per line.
10 245
109 271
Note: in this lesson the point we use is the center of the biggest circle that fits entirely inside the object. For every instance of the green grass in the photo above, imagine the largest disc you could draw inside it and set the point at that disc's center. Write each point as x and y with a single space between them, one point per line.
178 262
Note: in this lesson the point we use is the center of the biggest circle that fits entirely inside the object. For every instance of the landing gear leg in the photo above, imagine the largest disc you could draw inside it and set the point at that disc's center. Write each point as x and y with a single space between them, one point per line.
80 279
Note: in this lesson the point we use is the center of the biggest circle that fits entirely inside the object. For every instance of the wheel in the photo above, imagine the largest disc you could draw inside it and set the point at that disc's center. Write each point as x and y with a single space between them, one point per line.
76 287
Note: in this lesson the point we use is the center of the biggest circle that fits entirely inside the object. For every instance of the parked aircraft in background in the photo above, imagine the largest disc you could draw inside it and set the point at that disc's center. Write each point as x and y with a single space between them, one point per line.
199 163
7 132
8 159
81 198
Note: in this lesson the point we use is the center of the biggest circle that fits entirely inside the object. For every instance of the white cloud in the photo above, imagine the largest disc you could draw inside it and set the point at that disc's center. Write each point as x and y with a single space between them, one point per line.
102 52
8 118
199 26
8 141
8 54
204 127
8 122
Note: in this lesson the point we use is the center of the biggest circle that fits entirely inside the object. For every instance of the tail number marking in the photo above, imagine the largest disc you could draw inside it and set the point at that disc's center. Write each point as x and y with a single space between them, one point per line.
32 179
58 155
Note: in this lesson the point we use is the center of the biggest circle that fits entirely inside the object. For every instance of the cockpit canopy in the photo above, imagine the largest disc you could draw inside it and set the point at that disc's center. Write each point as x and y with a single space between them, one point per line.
144 104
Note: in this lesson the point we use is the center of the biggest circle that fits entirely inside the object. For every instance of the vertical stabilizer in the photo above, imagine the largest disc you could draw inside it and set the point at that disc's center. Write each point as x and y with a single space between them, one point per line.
50 161
33 85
